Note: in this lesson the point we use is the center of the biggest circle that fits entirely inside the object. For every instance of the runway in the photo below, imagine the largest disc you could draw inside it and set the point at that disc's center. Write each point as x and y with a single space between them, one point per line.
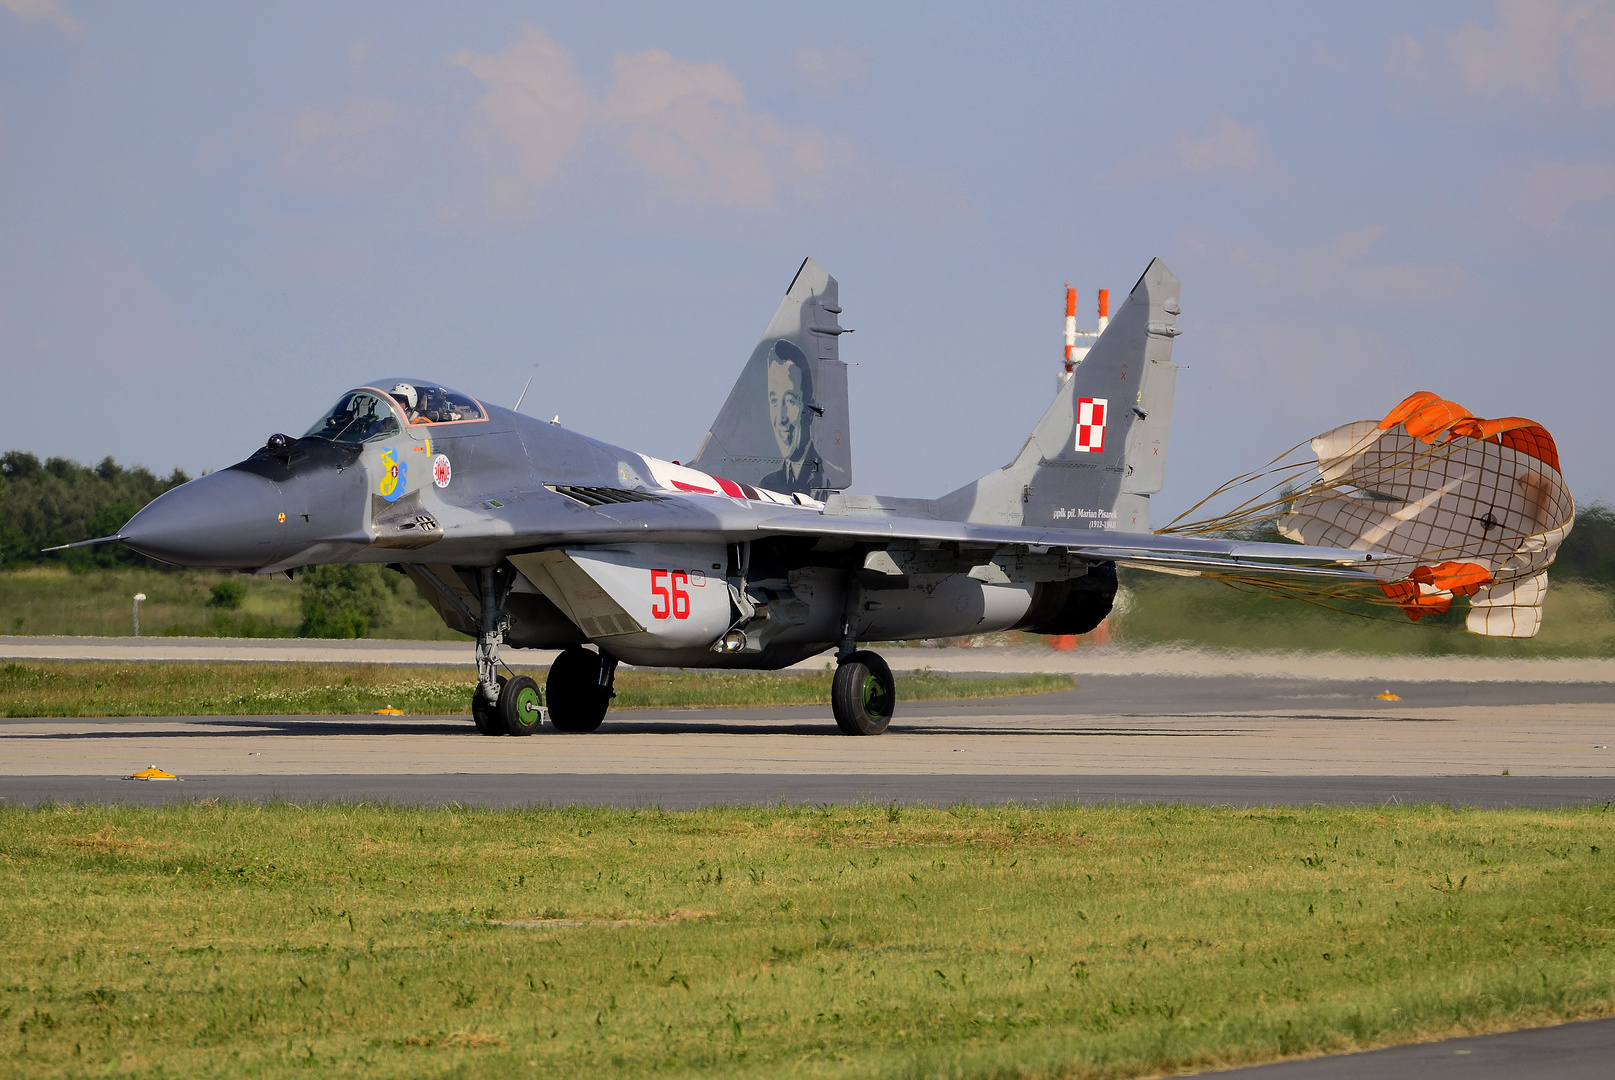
1235 739
1578 1051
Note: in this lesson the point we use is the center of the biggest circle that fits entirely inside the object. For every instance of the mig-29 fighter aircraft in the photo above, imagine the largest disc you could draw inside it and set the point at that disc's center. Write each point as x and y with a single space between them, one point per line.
524 534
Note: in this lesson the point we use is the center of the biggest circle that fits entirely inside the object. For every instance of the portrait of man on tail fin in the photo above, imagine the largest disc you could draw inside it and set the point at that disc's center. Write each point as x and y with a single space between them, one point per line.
791 412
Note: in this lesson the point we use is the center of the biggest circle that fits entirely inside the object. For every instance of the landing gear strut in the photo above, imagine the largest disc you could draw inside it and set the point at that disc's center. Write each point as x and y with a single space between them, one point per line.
863 695
500 705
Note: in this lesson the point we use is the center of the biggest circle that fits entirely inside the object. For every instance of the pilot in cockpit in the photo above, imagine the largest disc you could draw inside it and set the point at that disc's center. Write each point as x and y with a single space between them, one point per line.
406 396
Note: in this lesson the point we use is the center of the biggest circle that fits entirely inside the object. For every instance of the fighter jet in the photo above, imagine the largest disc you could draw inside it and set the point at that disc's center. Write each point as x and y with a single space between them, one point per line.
523 534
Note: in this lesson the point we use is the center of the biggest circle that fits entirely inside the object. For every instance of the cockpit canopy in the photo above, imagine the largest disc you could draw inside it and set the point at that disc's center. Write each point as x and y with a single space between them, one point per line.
381 411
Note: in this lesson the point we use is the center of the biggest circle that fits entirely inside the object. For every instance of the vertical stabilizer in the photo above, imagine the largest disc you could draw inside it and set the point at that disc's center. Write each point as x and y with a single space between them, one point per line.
1099 452
785 424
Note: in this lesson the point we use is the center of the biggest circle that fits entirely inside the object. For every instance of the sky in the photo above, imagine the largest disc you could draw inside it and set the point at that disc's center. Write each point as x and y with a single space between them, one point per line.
214 218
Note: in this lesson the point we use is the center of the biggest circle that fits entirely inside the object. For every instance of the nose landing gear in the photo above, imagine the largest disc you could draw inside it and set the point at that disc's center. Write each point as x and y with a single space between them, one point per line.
500 705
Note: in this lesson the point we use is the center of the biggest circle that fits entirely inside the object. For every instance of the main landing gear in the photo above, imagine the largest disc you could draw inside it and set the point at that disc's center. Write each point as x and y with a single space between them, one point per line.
578 691
863 695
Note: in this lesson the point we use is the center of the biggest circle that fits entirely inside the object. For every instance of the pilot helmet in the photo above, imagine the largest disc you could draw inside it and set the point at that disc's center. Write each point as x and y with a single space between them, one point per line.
405 393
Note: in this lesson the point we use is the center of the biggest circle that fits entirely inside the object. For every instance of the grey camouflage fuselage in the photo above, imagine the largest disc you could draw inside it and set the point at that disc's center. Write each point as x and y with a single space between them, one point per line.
591 543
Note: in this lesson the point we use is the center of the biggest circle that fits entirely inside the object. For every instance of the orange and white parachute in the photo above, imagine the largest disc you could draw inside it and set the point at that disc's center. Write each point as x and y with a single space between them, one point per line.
1461 505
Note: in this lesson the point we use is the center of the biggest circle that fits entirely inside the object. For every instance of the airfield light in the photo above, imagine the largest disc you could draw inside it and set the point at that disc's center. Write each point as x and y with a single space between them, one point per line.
139 596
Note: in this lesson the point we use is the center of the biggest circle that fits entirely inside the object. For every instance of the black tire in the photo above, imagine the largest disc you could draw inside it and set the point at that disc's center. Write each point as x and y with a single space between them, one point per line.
520 706
484 715
577 704
863 696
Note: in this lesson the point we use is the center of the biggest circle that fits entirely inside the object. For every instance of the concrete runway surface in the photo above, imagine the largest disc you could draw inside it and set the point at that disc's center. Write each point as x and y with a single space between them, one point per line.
1218 739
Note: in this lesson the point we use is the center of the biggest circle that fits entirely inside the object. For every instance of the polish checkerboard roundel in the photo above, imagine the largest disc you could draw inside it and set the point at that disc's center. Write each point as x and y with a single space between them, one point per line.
1091 424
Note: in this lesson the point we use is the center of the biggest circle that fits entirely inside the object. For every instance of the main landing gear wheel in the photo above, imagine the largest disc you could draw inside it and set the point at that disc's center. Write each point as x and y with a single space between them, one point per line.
520 707
579 689
863 695
486 715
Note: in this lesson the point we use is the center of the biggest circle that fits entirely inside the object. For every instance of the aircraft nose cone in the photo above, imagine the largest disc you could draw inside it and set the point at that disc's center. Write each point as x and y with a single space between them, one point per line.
225 519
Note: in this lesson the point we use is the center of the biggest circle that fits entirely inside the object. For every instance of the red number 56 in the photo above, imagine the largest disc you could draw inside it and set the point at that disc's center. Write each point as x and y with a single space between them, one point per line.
673 601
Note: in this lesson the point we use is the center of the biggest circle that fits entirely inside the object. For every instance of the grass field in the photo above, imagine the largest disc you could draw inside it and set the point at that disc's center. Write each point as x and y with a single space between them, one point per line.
1578 619
79 688
48 600
872 941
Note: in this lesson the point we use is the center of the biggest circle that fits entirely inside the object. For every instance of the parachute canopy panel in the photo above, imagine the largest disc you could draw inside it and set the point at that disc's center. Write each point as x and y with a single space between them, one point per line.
1460 506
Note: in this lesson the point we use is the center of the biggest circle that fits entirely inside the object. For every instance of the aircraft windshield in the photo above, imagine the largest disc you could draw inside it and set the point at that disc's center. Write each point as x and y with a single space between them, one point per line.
358 417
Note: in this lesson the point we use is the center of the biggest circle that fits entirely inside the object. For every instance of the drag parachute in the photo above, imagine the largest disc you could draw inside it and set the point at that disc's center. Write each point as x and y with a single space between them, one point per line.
1457 505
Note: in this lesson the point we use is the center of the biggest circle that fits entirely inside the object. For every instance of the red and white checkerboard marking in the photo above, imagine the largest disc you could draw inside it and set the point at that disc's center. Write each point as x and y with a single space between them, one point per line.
1091 424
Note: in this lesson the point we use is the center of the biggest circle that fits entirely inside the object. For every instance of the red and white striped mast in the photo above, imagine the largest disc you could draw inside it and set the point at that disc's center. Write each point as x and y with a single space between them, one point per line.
1075 353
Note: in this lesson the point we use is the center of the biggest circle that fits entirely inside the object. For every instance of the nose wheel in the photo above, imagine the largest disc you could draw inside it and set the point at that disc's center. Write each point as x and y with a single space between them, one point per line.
863 695
519 710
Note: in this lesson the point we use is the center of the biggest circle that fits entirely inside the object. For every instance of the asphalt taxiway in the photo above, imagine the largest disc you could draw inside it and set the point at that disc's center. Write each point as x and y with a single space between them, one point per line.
1579 1051
1237 739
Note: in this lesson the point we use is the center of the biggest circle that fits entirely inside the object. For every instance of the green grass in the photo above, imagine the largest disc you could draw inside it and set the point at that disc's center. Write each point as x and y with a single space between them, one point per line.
84 688
246 940
1154 609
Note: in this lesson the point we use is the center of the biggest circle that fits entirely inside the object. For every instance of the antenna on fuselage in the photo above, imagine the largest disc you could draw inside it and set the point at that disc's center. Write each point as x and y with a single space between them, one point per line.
519 397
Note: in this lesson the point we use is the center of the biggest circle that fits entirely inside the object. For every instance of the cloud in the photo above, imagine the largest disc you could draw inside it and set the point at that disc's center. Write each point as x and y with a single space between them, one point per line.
688 130
1404 57
526 136
49 11
828 72
527 123
1339 269
1534 48
1549 190
682 131
1278 366
1323 58
1229 146
338 146
89 310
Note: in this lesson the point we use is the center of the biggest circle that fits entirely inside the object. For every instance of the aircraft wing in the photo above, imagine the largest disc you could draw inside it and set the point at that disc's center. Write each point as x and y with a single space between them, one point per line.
1148 550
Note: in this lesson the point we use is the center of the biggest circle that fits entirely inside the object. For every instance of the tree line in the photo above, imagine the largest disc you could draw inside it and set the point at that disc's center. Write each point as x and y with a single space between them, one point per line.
58 501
